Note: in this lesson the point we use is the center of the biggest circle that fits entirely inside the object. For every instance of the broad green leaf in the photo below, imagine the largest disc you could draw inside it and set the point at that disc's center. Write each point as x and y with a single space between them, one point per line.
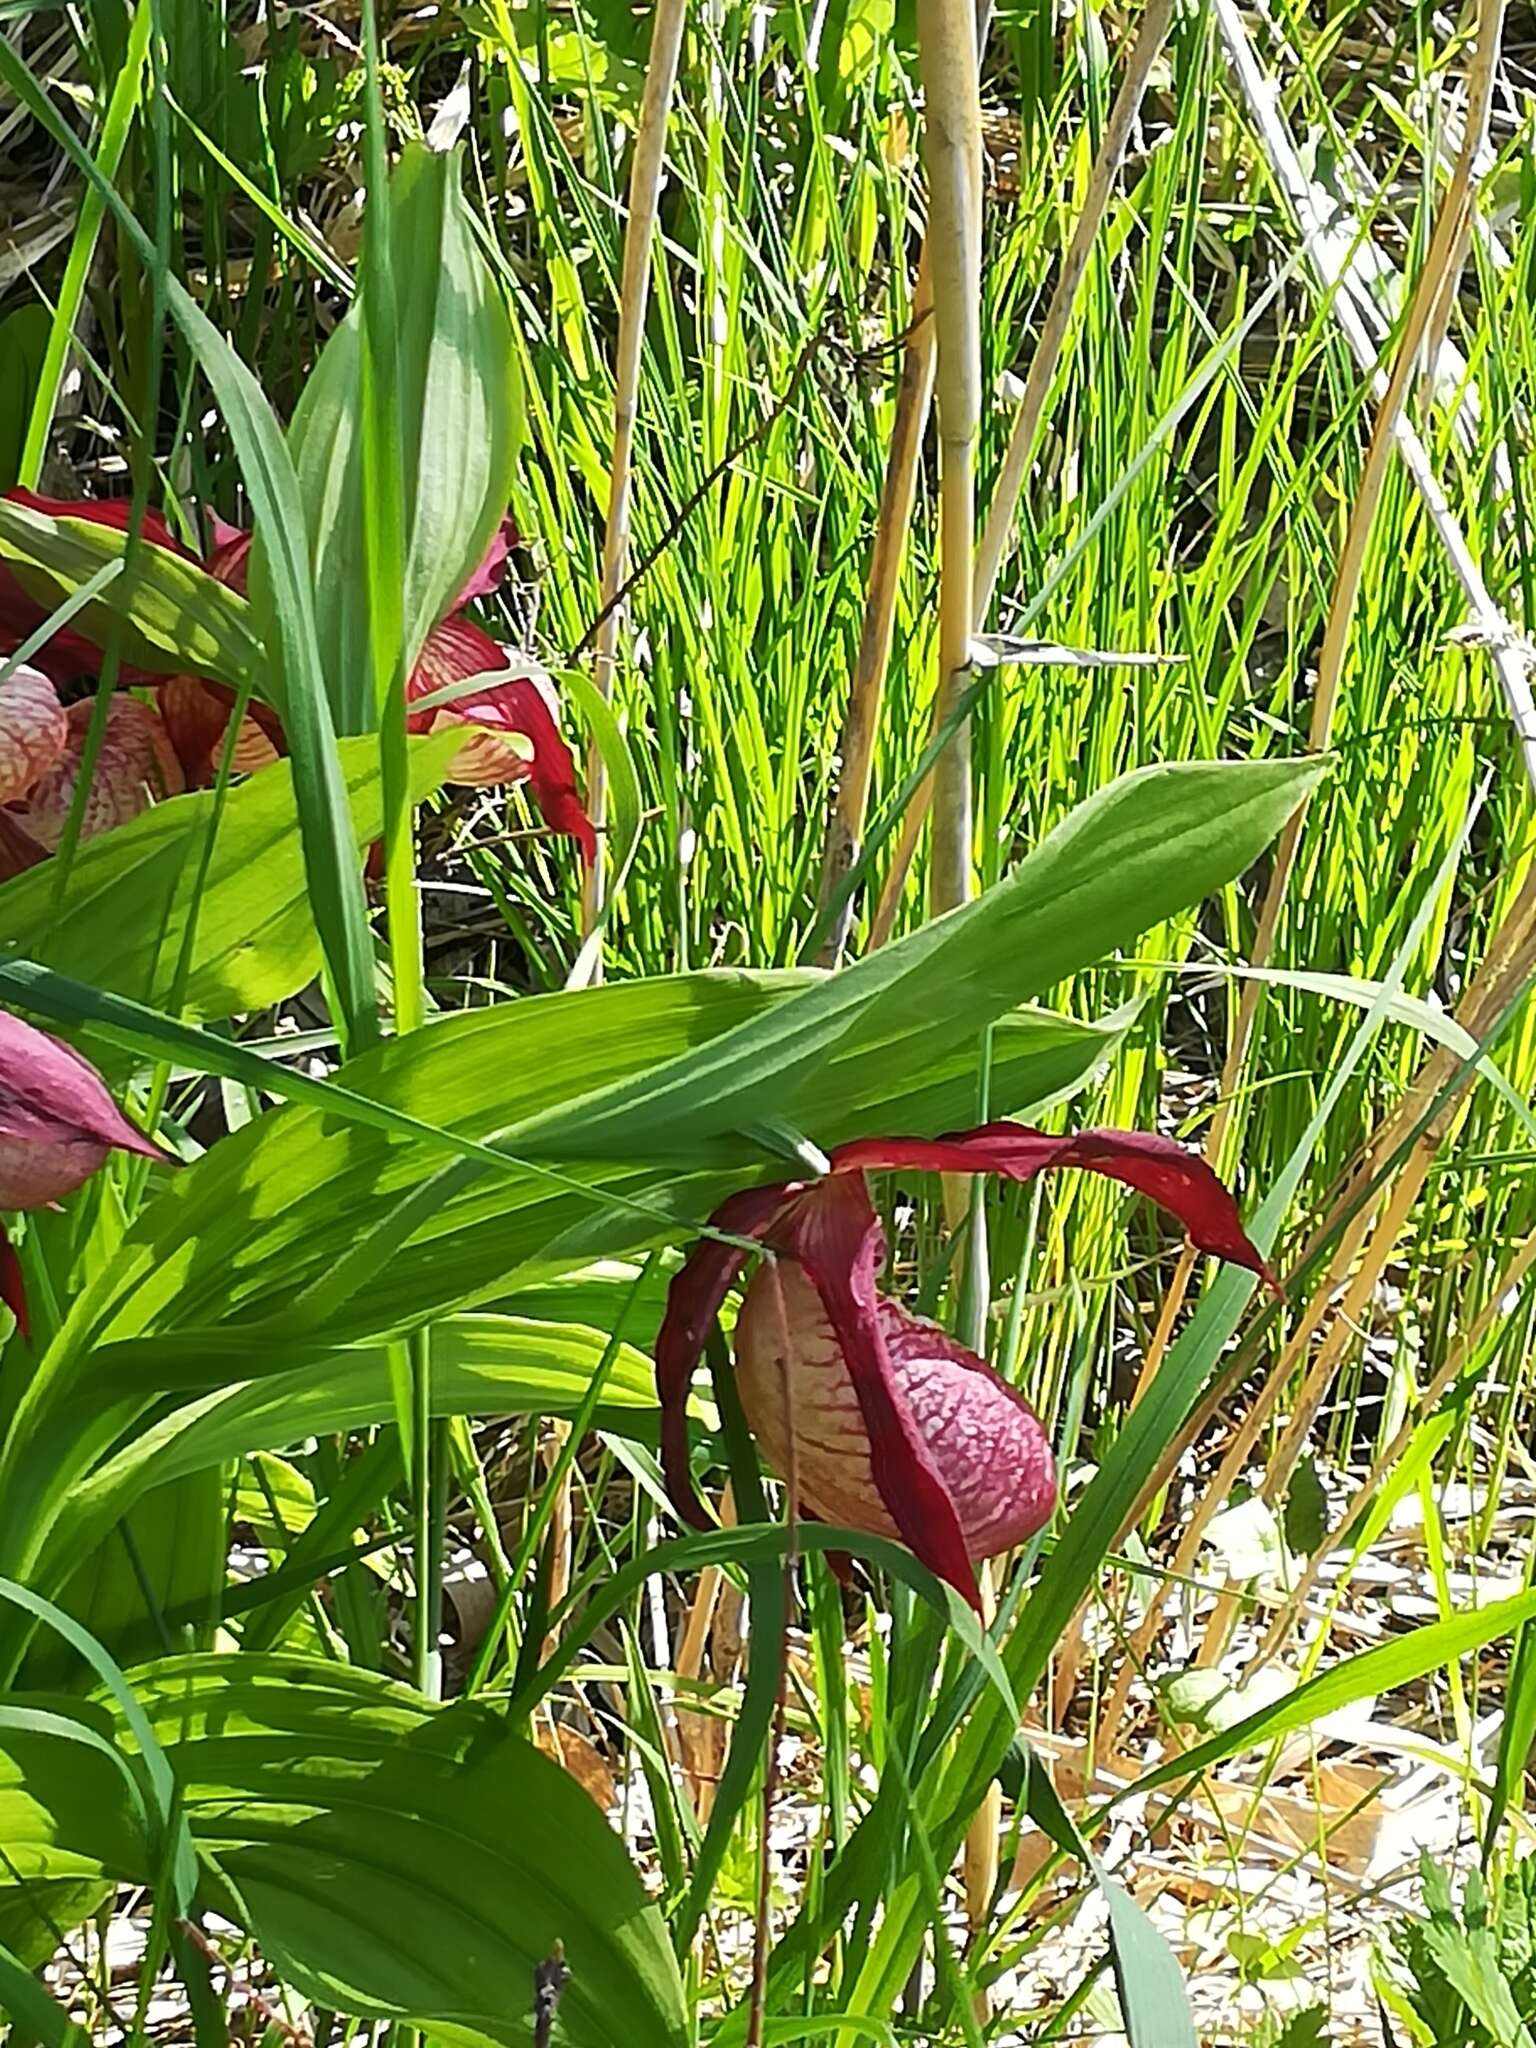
70 1810
193 1305
162 1825
166 1555
131 891
269 1211
402 1861
1143 849
459 423
481 1365
176 616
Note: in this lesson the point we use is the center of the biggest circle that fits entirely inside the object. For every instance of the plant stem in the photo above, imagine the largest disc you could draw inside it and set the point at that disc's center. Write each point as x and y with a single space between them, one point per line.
645 181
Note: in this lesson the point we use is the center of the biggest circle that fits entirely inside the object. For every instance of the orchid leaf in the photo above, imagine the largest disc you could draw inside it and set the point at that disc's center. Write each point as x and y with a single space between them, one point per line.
176 617
460 426
406 1862
131 892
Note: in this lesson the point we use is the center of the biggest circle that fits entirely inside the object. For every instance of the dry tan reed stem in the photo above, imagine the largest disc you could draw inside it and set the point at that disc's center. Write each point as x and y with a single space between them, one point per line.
701 1737
861 722
951 73
952 152
634 292
560 1524
1003 512
1436 285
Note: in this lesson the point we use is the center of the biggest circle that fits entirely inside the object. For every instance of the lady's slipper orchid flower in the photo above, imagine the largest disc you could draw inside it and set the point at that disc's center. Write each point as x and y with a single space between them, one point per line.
57 1125
881 1420
136 766
41 748
517 700
34 731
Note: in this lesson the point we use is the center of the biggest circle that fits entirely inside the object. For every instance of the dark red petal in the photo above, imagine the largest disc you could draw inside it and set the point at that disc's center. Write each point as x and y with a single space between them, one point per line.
195 721
488 575
697 1289
1180 1182
992 1452
12 1289
834 1233
18 849
230 562
509 704
552 777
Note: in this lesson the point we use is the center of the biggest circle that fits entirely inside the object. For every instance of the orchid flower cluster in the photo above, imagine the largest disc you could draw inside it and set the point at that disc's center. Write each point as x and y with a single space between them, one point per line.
880 1420
151 751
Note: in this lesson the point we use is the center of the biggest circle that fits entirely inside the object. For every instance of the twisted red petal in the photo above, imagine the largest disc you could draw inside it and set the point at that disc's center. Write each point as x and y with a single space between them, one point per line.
520 706
488 575
697 1289
835 1235
1180 1182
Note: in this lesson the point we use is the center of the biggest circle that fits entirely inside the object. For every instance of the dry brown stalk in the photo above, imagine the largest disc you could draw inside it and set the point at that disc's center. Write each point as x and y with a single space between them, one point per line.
645 180
866 692
1003 512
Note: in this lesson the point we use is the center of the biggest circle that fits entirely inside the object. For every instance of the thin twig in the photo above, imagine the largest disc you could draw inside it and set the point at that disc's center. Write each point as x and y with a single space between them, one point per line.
701 491
549 1981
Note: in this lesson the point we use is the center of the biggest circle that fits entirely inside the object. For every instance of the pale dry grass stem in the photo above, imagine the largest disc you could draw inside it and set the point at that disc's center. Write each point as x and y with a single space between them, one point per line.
645 183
